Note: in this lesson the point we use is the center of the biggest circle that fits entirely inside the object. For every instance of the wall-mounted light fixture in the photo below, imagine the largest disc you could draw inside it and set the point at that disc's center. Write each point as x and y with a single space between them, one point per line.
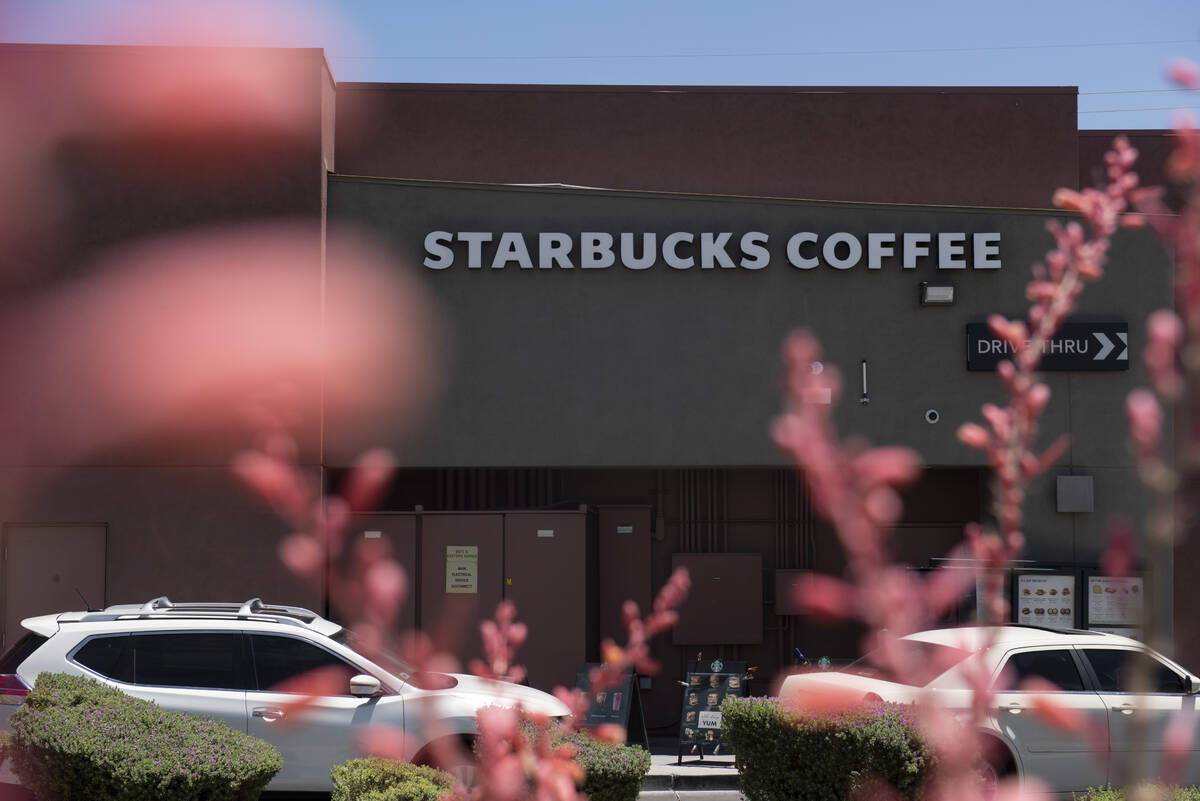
937 294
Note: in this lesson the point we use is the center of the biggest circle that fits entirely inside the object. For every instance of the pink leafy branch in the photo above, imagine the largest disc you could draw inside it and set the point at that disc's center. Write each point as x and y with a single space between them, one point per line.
518 754
1172 360
1009 434
857 487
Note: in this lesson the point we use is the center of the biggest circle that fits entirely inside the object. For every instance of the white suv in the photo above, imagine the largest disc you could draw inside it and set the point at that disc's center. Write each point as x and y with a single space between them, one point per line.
227 660
1092 673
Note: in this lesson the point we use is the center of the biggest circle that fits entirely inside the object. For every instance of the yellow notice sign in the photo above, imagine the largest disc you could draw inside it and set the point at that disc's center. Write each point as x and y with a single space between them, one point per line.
462 569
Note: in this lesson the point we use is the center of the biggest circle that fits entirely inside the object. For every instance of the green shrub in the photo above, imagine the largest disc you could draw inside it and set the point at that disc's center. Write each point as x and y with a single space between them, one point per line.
612 772
781 756
1115 794
375 779
75 739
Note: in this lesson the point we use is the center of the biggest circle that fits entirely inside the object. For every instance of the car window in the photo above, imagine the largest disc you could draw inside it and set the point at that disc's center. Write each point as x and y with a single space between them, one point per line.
193 659
1114 670
22 649
111 657
1055 666
280 659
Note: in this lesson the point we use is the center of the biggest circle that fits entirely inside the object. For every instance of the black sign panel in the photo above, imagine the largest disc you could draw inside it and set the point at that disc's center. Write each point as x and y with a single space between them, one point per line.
709 682
1076 346
621 706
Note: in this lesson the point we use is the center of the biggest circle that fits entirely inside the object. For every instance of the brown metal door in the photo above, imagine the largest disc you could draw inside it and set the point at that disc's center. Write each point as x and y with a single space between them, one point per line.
398 533
725 603
46 570
624 561
545 563
461 578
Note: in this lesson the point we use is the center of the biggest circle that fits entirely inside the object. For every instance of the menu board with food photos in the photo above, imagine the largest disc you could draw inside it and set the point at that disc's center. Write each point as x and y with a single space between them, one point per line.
1115 601
620 705
1046 599
709 682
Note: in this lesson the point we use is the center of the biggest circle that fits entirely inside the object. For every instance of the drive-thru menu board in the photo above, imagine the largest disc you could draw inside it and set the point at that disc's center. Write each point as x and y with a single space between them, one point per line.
622 705
1114 601
709 682
1046 600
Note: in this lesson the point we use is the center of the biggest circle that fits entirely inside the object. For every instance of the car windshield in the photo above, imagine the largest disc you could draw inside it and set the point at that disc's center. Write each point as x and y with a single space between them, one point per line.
929 660
387 659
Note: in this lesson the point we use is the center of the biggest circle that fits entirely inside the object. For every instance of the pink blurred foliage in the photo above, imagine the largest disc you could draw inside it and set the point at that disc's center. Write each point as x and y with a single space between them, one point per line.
1170 353
502 638
167 332
514 765
857 488
1172 358
368 588
1010 434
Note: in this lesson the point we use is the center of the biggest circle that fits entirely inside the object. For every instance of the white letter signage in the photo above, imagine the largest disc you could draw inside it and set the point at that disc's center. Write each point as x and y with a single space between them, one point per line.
712 250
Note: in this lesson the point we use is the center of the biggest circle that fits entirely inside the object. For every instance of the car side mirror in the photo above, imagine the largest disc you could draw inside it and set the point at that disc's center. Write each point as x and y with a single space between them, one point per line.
364 685
1193 685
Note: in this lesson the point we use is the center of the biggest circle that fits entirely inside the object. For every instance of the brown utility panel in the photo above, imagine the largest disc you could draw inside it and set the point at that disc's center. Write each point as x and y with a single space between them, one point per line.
396 534
787 591
461 578
623 565
725 603
546 556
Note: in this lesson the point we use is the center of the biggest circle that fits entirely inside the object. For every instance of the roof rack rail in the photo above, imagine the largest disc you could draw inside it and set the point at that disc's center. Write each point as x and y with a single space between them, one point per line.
1051 629
156 604
252 607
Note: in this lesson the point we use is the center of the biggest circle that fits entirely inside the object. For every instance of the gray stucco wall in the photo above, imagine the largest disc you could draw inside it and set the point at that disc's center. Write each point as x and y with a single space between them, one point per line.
615 367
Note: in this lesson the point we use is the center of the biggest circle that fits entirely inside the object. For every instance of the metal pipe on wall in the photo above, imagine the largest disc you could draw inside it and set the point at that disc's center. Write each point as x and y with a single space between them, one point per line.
685 518
685 533
785 522
780 557
687 513
725 511
711 524
679 495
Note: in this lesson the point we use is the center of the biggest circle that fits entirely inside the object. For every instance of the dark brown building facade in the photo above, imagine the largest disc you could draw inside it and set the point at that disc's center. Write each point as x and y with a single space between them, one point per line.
595 423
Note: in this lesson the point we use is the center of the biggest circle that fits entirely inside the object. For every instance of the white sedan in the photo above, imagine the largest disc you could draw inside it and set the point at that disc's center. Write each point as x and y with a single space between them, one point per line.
1092 672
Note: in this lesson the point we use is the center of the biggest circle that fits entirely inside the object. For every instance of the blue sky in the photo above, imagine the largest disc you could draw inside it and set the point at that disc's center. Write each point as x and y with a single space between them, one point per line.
1114 52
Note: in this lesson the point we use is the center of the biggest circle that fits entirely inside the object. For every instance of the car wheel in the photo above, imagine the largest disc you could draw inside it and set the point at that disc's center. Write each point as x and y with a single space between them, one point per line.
461 764
989 779
992 767
464 771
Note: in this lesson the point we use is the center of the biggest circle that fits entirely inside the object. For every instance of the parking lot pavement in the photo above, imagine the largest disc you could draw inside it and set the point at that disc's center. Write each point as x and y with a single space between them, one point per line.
710 775
690 795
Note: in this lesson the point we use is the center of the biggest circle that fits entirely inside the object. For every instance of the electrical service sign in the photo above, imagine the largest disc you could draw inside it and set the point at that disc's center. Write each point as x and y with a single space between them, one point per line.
462 569
707 250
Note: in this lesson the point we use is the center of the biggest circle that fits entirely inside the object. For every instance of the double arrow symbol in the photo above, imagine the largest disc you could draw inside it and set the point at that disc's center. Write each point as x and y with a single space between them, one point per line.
1107 346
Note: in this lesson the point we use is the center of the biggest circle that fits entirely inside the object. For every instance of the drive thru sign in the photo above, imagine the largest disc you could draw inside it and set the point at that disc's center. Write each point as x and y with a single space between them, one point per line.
1076 346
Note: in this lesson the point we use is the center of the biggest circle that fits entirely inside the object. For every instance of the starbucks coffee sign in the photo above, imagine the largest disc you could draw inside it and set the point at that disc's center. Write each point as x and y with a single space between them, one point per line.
708 250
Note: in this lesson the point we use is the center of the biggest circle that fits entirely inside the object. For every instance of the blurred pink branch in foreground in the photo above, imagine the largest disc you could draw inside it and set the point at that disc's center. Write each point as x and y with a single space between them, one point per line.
856 488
